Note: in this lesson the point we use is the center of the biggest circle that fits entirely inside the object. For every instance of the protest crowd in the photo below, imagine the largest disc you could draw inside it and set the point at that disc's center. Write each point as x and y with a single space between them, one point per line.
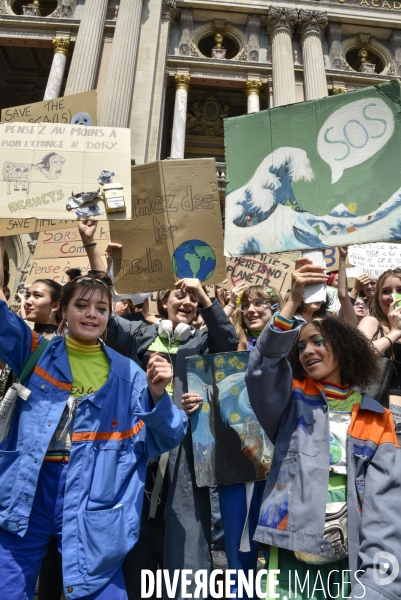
97 469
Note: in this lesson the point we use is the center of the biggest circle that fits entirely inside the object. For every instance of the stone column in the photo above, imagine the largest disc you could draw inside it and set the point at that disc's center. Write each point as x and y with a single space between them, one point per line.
182 82
396 49
160 82
334 31
252 38
117 97
84 64
281 23
252 90
186 23
61 53
311 27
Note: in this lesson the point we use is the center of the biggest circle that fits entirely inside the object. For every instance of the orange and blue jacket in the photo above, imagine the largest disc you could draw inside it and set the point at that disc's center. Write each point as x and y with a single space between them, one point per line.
115 430
295 416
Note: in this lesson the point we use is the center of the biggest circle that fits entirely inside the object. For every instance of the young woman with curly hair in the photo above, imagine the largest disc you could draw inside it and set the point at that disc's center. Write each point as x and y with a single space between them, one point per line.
383 327
335 453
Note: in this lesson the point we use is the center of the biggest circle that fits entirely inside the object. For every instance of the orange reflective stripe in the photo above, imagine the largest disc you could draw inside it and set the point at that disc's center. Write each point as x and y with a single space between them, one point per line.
60 384
104 436
308 386
376 427
35 341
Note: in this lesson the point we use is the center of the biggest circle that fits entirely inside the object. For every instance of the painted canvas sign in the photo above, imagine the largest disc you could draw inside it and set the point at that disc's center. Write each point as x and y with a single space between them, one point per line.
315 174
228 442
176 230
52 171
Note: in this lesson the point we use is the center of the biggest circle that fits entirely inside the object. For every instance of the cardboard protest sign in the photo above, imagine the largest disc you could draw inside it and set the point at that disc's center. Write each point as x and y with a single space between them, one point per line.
41 166
261 269
76 109
18 226
176 229
329 177
64 243
228 442
55 268
374 259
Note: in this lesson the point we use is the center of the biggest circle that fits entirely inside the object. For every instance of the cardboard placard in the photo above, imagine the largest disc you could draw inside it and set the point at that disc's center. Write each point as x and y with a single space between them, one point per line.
19 226
314 183
176 229
261 269
42 165
78 108
228 442
55 268
66 243
374 259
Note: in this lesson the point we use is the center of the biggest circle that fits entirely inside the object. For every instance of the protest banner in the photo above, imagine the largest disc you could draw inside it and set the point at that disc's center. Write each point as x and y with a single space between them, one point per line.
17 226
287 185
78 109
176 230
55 268
261 269
228 442
374 259
65 243
42 166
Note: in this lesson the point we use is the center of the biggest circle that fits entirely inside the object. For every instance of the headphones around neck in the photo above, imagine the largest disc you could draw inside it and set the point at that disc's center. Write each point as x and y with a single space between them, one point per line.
181 333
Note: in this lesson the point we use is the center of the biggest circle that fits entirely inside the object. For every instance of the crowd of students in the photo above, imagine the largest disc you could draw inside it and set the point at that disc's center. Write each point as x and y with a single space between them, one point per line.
97 478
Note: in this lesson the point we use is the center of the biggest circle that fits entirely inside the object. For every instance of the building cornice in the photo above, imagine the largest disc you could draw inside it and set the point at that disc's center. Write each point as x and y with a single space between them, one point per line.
336 11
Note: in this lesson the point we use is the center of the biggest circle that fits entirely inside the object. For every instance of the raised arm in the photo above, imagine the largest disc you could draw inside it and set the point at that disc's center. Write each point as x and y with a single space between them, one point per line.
220 335
87 231
346 304
269 374
370 325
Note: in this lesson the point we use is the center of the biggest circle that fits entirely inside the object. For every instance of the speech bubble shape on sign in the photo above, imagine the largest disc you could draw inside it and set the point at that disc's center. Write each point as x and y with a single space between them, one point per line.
354 133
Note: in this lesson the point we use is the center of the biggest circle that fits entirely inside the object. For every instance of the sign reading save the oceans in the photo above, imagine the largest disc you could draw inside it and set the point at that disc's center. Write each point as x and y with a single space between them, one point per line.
330 177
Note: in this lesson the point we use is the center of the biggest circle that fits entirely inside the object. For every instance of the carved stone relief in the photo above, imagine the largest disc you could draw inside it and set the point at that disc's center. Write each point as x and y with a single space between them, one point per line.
207 118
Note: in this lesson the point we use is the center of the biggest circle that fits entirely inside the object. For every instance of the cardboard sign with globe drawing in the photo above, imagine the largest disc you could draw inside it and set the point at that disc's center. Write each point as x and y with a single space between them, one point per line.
176 229
315 174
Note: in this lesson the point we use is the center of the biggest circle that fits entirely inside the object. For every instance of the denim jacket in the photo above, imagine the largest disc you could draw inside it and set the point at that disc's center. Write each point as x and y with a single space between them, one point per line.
294 414
115 430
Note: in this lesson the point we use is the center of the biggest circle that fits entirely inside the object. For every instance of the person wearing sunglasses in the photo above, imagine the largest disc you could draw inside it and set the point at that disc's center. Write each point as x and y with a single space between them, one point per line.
73 462
256 306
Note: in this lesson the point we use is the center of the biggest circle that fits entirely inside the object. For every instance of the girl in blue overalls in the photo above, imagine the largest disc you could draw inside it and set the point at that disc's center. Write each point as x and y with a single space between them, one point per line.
73 464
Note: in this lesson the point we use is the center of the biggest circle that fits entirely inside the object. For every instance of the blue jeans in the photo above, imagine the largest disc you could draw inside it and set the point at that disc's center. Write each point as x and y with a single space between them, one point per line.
233 512
21 558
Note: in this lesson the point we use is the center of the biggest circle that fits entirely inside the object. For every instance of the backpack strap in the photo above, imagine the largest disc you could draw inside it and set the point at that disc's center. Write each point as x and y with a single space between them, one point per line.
32 361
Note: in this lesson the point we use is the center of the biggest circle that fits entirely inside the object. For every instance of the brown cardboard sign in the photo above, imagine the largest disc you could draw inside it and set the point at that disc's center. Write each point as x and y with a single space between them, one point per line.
18 226
64 243
42 166
261 269
176 230
78 108
55 268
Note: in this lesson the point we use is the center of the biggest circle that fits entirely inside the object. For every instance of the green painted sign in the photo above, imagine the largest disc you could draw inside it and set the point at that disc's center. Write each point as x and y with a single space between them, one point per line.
315 174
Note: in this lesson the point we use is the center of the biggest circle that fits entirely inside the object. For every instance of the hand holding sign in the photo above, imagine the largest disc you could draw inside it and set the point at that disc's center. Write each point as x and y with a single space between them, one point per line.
354 133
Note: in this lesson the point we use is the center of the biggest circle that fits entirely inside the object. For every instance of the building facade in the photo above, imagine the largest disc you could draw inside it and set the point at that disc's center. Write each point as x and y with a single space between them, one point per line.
173 70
